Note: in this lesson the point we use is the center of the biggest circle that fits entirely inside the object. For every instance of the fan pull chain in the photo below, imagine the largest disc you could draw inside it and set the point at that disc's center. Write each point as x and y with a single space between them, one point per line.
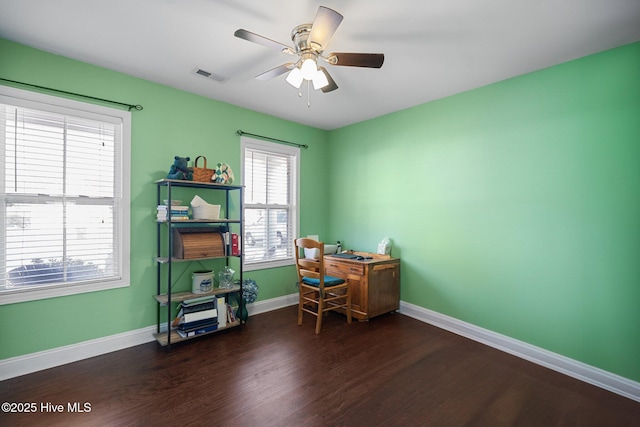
308 93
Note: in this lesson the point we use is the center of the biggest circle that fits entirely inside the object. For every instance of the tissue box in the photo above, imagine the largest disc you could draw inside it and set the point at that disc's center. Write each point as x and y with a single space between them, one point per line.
384 249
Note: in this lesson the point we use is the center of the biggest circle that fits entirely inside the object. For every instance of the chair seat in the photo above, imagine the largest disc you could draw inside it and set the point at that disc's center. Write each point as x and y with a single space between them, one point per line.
328 281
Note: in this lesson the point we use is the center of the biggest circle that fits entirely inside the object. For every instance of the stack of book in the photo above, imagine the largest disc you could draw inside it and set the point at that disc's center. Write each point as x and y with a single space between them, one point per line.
197 316
177 213
205 314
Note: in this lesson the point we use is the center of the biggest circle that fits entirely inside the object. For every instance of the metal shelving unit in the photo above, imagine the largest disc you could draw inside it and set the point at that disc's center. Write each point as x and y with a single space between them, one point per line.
165 258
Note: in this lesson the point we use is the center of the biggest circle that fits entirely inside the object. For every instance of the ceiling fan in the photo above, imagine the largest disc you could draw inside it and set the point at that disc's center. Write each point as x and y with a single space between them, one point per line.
310 42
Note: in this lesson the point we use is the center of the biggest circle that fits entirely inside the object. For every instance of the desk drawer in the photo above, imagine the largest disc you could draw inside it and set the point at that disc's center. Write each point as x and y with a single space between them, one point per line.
341 269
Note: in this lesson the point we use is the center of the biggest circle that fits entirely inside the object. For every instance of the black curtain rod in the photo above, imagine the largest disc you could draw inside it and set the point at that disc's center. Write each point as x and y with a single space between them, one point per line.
129 106
240 133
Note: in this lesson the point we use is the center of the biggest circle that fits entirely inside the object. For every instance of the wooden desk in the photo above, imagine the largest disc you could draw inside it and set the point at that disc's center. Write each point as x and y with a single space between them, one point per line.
374 283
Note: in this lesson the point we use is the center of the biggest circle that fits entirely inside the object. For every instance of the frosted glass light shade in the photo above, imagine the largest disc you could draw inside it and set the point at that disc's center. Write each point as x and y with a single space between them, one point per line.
319 80
308 69
295 78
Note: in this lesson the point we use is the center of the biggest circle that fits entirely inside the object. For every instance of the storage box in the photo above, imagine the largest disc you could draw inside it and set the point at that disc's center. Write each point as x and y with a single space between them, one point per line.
197 242
206 211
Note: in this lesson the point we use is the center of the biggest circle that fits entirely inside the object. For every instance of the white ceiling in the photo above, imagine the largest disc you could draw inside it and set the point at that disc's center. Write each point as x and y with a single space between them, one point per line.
433 48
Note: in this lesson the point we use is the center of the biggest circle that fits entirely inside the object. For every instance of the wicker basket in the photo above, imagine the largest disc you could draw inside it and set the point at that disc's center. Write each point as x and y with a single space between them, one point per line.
202 174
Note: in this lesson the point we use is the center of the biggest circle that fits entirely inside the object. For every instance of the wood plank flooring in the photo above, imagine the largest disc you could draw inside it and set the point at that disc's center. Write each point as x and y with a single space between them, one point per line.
391 371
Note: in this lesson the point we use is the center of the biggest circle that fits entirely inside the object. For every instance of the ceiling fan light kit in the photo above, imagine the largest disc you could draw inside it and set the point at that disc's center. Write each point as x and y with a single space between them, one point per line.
309 66
295 78
310 41
319 80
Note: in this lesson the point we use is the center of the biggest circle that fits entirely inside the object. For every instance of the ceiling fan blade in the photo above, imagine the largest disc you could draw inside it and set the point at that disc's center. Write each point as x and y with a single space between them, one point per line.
332 84
324 26
275 72
368 60
256 38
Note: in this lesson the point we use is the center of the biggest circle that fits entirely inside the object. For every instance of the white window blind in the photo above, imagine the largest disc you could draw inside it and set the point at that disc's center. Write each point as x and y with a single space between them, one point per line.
62 200
270 177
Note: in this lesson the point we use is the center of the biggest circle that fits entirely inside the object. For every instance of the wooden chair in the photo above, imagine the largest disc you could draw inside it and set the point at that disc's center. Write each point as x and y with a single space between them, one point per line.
319 293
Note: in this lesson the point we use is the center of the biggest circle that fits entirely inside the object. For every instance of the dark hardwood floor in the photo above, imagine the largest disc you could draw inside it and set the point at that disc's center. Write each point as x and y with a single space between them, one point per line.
391 371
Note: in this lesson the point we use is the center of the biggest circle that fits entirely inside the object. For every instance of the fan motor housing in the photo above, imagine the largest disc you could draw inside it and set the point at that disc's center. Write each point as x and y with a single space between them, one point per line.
300 37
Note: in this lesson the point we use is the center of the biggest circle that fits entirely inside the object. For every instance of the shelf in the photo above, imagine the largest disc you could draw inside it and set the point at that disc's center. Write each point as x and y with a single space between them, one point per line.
203 221
165 260
195 184
181 296
175 337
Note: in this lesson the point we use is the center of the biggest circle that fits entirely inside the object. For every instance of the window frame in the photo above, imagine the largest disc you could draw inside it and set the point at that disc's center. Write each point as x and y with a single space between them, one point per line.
247 143
54 104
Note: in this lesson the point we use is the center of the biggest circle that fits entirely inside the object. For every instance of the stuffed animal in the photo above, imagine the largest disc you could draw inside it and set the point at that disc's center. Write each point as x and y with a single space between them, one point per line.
180 170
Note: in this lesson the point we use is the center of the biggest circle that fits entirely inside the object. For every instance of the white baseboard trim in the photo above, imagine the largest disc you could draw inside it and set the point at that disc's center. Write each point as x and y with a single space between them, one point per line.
573 368
26 364
272 304
22 365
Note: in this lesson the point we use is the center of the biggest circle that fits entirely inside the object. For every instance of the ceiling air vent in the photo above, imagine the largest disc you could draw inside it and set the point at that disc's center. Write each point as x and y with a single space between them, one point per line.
209 75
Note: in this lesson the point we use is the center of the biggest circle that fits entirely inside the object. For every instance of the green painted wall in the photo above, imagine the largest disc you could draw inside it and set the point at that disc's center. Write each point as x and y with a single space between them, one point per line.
514 207
172 123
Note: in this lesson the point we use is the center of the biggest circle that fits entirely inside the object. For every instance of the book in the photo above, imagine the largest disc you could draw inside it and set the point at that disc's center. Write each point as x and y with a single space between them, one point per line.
221 306
193 312
204 330
191 326
173 218
231 317
200 315
190 308
176 213
235 248
172 213
174 208
198 300
180 213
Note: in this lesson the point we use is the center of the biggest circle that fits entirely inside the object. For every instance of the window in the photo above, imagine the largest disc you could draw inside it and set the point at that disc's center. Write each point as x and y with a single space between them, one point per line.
270 177
64 196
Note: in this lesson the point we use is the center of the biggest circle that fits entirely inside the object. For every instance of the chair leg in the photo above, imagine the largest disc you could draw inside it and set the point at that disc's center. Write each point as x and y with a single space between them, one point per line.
320 313
348 306
300 304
